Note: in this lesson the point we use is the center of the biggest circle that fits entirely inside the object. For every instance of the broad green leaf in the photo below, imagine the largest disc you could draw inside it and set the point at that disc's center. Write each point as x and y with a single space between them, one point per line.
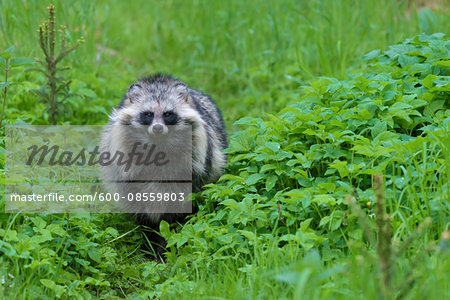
164 229
254 178
20 61
7 53
371 55
271 181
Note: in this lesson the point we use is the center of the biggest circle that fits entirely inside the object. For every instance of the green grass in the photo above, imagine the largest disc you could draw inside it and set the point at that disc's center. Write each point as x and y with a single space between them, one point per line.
253 58
250 56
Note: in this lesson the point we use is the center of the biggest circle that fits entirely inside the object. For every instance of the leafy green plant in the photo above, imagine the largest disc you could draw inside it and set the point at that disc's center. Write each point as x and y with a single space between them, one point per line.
58 255
9 63
289 175
56 91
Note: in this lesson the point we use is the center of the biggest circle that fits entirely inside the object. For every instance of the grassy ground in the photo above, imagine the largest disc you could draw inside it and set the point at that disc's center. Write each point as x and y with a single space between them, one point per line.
252 57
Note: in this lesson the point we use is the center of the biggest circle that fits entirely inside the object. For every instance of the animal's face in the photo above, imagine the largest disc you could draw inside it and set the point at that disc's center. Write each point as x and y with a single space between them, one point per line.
157 107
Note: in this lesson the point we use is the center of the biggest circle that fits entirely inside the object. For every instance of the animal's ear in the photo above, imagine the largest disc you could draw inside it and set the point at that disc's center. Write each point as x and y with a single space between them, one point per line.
188 98
183 93
134 92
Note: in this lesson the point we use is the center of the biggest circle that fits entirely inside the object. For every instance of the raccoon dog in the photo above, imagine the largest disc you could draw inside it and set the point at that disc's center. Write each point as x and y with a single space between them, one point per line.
156 109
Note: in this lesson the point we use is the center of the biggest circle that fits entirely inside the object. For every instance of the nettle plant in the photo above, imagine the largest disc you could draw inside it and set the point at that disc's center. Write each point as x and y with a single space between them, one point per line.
288 175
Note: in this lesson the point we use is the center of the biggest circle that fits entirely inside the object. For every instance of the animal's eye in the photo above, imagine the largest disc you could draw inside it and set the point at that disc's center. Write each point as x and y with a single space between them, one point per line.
170 117
149 114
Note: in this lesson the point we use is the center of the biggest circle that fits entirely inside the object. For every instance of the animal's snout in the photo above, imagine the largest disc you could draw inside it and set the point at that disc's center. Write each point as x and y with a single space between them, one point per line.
158 129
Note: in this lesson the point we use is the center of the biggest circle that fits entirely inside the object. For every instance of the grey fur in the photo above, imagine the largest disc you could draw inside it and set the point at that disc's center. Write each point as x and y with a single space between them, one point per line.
159 94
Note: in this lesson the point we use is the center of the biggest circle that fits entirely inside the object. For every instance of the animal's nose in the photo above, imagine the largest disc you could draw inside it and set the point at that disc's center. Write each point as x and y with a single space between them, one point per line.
157 128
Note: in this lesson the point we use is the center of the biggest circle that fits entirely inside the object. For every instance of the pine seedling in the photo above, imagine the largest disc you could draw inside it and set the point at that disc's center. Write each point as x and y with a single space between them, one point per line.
56 90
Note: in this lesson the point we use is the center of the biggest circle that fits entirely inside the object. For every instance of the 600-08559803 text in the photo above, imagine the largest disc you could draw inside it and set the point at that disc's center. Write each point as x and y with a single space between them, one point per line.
153 197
